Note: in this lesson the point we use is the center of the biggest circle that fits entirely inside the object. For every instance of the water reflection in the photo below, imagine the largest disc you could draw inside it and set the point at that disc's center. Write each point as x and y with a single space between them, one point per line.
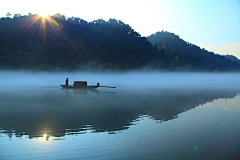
80 91
83 91
50 112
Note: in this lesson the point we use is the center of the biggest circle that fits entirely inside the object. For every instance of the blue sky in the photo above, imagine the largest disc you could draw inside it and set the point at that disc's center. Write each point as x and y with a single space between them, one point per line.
212 24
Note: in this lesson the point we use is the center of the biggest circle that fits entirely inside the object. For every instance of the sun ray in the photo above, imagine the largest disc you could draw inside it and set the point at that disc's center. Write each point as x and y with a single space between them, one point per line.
33 19
42 30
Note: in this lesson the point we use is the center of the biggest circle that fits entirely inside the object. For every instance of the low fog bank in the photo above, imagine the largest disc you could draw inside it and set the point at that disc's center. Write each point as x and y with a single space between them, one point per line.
137 79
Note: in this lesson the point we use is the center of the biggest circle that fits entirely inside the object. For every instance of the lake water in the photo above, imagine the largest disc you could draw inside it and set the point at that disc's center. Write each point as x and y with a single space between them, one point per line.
148 116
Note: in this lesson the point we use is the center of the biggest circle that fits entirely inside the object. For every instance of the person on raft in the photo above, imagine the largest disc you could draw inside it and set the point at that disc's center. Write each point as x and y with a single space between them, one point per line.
67 81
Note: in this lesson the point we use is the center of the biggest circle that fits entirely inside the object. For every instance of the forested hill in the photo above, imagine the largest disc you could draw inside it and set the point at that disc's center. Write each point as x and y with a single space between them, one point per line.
34 42
185 54
73 43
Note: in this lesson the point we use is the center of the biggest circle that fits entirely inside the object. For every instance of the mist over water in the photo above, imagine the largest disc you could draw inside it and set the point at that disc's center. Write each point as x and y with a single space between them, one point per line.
136 79
149 115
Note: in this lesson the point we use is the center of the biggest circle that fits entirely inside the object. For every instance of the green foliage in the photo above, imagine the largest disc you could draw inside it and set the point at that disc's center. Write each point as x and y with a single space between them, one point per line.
8 15
184 55
233 58
28 42
32 42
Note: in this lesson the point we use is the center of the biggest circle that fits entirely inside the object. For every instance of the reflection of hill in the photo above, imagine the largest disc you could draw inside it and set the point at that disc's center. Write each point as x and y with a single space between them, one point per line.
175 102
50 111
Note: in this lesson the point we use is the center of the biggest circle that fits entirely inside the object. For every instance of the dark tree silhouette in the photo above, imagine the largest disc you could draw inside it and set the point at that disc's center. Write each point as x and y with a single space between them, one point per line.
33 42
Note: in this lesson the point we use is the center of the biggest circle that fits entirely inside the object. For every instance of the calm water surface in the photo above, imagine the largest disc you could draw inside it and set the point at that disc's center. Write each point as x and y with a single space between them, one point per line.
163 119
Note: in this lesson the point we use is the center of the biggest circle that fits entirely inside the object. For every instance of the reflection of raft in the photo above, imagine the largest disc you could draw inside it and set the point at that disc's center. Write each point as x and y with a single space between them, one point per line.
83 84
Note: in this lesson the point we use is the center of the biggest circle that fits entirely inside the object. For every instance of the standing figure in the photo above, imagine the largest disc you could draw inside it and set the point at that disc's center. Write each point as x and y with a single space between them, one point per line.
67 81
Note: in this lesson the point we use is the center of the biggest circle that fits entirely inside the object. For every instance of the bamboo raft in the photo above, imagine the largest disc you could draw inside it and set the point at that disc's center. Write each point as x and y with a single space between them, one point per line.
83 85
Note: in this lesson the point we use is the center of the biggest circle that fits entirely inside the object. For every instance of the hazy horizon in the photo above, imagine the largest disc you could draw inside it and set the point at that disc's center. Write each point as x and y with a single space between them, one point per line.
142 79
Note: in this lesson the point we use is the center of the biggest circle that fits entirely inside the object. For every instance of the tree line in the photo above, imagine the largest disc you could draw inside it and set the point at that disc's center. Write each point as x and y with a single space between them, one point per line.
35 42
183 54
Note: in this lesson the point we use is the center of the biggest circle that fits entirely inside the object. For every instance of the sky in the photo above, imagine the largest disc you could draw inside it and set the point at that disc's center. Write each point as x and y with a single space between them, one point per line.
210 24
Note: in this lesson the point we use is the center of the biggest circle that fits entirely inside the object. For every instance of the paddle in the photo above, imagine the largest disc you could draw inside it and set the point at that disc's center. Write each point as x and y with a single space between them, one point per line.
107 86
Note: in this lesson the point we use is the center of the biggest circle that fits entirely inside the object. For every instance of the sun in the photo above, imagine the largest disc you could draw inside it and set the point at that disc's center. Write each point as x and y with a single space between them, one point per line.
44 15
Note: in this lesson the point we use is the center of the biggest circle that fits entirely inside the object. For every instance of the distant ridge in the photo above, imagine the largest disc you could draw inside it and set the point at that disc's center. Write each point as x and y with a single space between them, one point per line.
185 54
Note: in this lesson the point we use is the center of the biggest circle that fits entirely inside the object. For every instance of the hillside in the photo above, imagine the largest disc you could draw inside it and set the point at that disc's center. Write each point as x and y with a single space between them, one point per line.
37 43
183 54
231 57
33 42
